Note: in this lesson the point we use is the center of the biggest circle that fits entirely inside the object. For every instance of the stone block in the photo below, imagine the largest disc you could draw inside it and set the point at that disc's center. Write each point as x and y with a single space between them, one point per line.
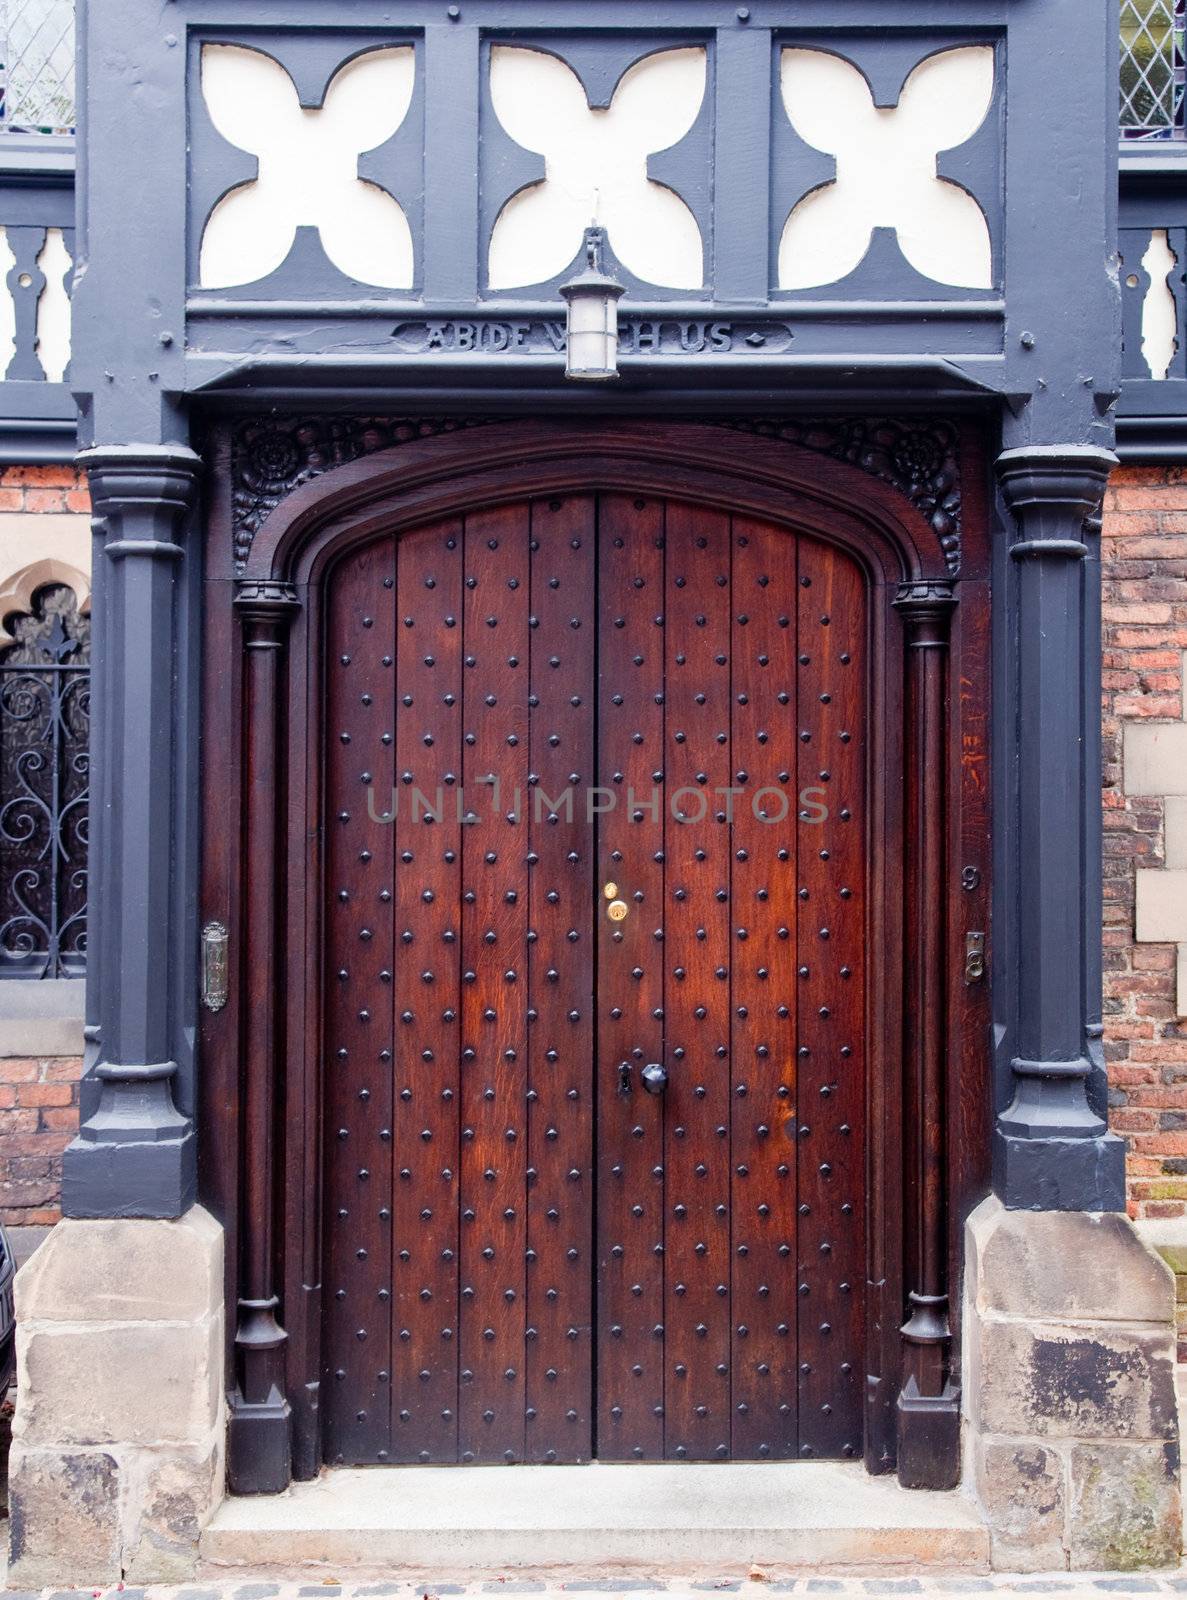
141 1384
1175 825
1160 906
64 1509
1167 1236
1066 1265
1125 1509
124 1270
119 1348
1069 1390
1021 1486
1051 1380
178 1492
1155 758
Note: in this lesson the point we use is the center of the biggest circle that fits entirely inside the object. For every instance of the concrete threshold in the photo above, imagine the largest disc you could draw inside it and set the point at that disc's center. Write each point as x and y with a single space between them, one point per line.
669 1520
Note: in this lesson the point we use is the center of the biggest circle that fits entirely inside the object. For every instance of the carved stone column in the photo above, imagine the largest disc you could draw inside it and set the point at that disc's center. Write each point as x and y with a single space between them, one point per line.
929 1402
134 1154
259 1445
1052 1147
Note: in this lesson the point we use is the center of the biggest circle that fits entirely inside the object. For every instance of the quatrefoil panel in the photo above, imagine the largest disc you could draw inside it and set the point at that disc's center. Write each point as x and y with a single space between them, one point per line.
597 167
886 167
308 166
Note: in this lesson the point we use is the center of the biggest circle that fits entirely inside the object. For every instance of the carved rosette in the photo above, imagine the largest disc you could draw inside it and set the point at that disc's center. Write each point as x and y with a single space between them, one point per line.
918 456
270 457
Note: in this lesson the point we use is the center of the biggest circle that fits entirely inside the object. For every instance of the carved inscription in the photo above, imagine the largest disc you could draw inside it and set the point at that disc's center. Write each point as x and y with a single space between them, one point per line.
483 336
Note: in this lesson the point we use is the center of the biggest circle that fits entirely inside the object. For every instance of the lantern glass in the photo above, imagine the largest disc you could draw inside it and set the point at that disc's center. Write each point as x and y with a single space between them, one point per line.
592 346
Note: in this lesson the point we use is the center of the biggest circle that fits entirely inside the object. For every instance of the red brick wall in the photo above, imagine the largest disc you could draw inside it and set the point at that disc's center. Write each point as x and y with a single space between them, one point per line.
43 489
38 1119
1145 634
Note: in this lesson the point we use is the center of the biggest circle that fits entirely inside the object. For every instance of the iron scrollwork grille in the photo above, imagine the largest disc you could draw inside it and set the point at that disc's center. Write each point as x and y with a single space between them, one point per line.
45 688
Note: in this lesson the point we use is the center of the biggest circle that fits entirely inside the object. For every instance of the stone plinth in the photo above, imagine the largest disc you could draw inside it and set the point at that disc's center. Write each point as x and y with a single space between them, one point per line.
116 1462
1069 1391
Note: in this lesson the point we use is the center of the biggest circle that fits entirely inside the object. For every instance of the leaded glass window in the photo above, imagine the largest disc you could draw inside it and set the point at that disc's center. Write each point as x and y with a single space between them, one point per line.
1152 68
45 697
37 66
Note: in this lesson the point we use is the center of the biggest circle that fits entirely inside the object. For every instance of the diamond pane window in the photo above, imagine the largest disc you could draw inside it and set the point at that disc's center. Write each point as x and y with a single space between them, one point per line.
37 66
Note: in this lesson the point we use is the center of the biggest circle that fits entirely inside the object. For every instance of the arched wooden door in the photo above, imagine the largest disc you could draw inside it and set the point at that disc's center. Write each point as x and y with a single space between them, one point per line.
596 814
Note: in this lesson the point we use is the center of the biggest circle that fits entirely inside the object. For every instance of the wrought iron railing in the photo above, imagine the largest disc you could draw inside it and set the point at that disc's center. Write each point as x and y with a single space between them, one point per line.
44 789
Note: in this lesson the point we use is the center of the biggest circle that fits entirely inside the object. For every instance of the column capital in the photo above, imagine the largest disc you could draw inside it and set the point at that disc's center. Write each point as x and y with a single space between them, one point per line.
145 477
925 599
1048 488
266 599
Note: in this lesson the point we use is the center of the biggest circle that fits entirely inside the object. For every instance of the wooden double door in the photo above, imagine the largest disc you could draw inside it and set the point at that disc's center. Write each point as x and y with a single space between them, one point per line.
594 932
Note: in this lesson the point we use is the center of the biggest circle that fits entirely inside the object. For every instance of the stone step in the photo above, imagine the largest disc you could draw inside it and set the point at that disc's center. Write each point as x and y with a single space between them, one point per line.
670 1519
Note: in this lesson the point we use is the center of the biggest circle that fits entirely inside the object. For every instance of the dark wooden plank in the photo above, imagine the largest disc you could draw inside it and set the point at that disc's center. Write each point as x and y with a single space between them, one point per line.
360 717
630 1236
832 691
763 890
559 1354
494 1143
697 954
426 1197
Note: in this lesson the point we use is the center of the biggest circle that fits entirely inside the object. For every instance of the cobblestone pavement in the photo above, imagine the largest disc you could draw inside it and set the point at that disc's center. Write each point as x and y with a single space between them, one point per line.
1069 1586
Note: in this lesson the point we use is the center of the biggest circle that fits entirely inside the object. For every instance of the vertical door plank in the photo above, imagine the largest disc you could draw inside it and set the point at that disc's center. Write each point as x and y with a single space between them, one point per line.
494 986
360 711
833 663
763 894
630 999
428 645
562 902
696 954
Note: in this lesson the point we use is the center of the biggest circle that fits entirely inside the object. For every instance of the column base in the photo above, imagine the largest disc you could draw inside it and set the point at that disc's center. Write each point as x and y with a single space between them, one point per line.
1072 1426
928 1438
1059 1174
131 1177
259 1444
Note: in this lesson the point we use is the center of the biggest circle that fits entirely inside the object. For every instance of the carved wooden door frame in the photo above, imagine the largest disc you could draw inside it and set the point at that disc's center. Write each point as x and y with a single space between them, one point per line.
907 501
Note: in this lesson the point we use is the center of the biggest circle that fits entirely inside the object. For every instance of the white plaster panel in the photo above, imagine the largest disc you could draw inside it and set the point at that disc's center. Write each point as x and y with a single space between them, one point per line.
886 168
1159 319
7 309
308 167
595 165
53 307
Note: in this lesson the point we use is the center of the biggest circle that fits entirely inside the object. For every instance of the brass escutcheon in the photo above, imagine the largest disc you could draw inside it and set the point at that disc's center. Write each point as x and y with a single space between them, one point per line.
611 891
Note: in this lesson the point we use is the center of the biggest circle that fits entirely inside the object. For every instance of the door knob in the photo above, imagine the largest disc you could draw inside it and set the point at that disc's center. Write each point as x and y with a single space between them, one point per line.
654 1077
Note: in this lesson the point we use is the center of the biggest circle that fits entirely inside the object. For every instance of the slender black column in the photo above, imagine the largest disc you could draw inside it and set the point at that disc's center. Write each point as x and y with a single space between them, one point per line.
929 1402
1052 1148
259 1439
134 1154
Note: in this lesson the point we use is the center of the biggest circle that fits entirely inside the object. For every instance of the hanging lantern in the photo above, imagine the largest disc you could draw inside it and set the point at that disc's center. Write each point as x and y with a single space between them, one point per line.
591 347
